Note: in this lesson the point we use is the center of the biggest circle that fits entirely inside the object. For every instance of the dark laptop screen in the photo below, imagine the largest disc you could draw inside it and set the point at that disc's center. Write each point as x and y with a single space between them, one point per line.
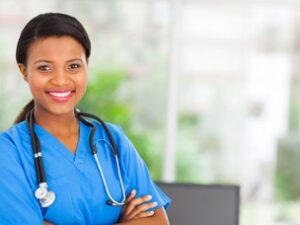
202 204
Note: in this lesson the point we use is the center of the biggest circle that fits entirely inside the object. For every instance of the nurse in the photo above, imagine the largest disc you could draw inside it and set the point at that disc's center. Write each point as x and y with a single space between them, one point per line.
52 55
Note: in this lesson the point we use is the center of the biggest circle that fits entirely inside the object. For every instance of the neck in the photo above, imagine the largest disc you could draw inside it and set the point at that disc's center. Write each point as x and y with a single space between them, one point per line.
60 125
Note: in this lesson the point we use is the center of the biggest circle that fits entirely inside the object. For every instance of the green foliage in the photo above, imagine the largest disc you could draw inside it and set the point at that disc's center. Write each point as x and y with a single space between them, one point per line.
104 98
187 149
2 100
294 107
287 172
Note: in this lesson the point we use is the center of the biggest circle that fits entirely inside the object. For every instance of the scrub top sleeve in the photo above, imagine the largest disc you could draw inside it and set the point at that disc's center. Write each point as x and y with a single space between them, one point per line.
138 175
17 202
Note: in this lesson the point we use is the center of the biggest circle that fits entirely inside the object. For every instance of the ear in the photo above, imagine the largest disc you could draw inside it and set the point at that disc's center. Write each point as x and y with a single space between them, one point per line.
23 70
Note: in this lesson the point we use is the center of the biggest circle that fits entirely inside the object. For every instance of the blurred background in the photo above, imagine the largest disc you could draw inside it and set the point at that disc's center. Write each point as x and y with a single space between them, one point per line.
207 90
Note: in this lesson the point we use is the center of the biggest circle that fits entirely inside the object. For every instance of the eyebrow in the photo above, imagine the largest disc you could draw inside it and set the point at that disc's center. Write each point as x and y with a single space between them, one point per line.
49 61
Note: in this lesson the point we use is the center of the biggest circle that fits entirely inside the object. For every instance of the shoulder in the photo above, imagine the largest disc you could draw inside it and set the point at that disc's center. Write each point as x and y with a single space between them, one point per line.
122 142
15 130
11 138
115 130
6 139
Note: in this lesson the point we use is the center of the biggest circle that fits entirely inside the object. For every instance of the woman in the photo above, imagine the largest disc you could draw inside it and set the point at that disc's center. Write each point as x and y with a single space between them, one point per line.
78 187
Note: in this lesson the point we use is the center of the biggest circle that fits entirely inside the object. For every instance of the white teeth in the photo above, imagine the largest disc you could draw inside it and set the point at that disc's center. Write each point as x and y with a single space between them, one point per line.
60 94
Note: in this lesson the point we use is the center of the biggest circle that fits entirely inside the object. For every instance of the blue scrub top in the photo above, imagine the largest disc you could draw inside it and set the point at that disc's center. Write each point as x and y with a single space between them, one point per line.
75 179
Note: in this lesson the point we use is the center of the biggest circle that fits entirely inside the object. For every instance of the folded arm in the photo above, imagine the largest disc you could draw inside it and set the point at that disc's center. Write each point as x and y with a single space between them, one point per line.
138 211
158 218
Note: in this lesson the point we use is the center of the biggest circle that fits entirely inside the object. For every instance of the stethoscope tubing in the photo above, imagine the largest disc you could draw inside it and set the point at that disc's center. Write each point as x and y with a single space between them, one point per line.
39 165
111 200
48 197
80 115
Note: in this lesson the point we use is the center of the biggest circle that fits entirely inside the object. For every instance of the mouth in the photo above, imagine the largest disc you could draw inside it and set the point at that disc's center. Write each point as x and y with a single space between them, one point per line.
61 96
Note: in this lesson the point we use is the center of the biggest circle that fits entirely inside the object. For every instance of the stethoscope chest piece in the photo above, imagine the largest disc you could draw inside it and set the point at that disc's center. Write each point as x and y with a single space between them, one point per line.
45 197
48 200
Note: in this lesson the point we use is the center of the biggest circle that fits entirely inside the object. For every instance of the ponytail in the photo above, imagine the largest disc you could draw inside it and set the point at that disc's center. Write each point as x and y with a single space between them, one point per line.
24 112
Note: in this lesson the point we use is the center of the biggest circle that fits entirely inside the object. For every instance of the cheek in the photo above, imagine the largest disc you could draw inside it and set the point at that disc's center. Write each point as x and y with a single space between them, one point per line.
81 84
36 83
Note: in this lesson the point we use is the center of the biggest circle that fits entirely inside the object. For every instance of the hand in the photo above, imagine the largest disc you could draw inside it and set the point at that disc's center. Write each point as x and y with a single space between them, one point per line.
136 207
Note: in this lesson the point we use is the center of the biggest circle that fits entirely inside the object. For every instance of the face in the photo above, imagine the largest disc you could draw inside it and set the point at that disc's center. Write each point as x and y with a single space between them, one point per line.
56 72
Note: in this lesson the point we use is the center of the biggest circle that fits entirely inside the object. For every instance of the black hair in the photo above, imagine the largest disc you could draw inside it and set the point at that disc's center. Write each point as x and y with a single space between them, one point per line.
48 25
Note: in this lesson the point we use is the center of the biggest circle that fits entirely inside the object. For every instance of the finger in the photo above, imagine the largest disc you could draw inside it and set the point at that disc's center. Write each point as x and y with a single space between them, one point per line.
135 202
142 208
129 198
144 214
47 223
140 215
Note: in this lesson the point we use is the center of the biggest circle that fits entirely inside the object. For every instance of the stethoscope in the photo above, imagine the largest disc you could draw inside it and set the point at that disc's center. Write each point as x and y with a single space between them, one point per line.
46 197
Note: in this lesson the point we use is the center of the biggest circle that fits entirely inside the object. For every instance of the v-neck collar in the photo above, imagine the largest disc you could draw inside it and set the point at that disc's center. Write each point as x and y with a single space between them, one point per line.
46 138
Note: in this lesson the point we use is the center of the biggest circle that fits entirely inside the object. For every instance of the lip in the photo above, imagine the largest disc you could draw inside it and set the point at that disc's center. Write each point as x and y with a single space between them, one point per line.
60 96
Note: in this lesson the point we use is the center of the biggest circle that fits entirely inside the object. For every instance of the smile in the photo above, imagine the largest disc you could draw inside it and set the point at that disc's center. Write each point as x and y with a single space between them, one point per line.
61 96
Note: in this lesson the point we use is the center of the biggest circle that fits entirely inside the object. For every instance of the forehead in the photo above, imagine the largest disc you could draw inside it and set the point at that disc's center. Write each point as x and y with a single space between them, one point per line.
52 48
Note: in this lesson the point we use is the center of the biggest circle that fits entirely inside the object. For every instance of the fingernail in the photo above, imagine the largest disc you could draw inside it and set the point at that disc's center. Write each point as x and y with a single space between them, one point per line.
154 203
133 191
151 212
149 197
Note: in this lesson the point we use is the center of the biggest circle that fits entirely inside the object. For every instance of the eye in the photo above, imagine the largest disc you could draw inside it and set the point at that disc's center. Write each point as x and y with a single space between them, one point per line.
73 66
44 68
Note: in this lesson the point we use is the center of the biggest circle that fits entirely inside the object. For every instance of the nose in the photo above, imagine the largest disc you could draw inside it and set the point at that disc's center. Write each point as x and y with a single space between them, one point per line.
60 78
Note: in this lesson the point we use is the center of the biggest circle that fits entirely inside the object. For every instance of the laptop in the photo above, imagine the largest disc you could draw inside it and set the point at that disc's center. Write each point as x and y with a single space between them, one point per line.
194 204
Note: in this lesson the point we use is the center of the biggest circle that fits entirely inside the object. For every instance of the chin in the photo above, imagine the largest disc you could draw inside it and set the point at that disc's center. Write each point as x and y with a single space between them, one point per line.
58 110
63 111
